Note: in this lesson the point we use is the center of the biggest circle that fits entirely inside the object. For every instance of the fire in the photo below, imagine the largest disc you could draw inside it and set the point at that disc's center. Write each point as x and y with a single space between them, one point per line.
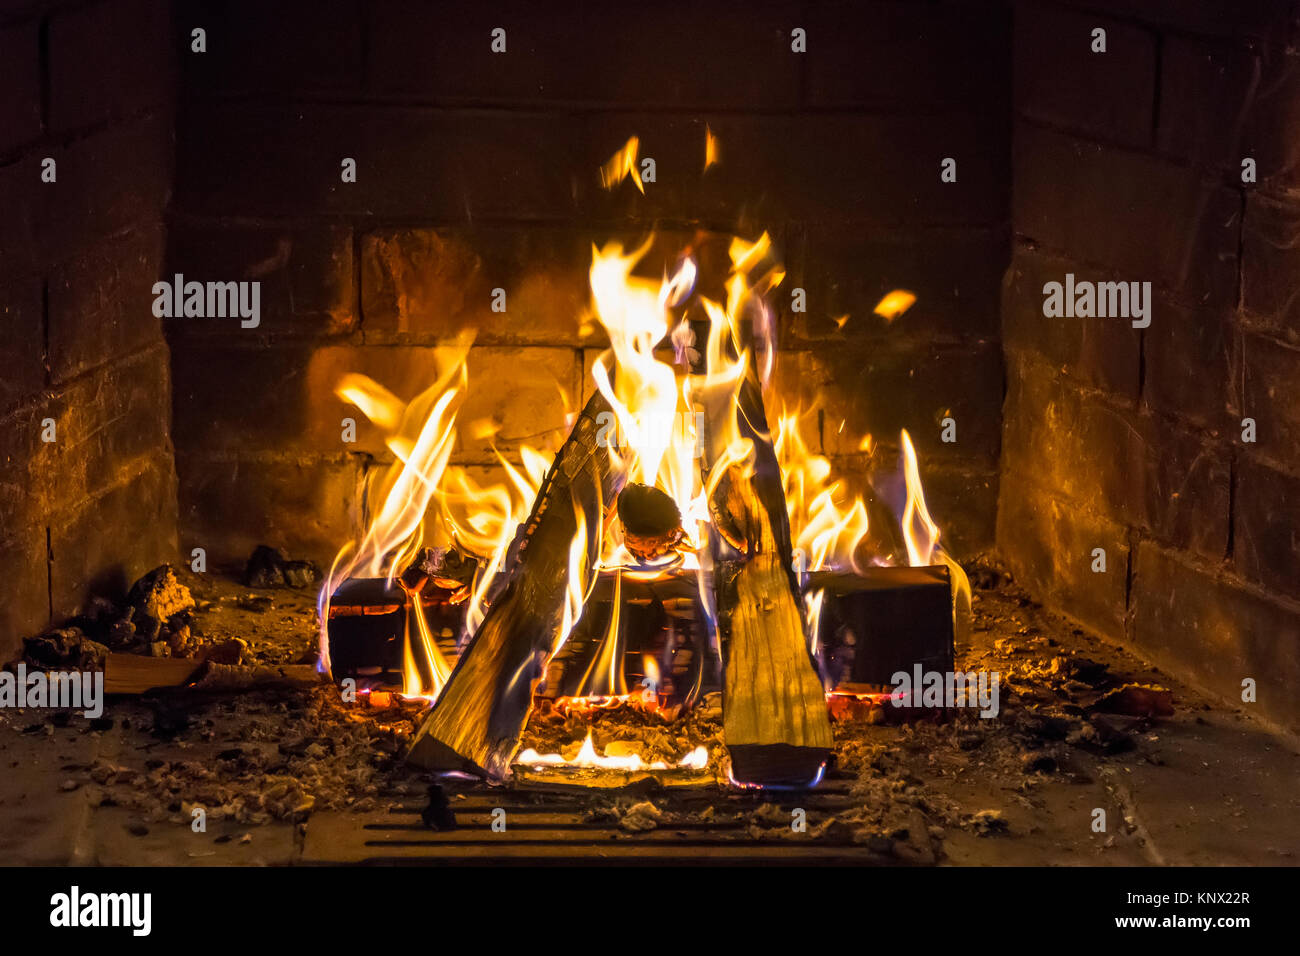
587 758
710 149
894 304
622 165
426 502
660 384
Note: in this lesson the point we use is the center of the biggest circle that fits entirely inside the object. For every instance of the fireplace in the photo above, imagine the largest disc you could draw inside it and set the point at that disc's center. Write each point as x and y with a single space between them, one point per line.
677 427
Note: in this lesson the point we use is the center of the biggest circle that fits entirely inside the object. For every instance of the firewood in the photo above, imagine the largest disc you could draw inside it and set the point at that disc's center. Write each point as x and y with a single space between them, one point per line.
443 568
481 713
135 673
898 617
775 720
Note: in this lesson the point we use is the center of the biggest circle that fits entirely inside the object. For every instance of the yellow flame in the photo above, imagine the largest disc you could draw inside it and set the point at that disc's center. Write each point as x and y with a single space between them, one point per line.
894 304
710 148
622 165
921 536
426 502
604 676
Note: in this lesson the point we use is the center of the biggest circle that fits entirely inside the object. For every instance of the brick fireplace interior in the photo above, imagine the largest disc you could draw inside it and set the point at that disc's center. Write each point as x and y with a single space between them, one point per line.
477 171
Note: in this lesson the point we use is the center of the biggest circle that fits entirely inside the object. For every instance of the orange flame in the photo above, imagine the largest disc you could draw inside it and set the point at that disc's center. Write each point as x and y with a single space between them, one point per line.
622 165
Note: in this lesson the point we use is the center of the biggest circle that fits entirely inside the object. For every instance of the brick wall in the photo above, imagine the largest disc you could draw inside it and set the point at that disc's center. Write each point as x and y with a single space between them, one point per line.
1128 166
90 86
478 170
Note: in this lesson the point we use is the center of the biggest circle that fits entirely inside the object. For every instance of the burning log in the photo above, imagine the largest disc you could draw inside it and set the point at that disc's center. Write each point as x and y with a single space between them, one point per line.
775 720
444 568
885 620
483 708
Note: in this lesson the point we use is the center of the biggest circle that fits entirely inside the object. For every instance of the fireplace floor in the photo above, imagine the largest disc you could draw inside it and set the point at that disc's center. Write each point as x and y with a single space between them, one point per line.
292 776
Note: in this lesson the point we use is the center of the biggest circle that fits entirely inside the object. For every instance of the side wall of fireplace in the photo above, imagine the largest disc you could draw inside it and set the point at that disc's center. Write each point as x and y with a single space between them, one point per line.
82 360
1128 166
478 170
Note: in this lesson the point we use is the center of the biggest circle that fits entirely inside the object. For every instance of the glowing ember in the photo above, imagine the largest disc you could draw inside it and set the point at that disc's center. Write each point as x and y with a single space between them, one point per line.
895 304
697 759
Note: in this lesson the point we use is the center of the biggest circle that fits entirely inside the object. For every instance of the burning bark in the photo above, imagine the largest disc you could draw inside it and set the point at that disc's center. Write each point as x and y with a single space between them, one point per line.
478 720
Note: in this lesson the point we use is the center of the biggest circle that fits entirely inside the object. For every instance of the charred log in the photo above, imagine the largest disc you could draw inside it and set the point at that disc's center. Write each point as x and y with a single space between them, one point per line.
481 713
443 568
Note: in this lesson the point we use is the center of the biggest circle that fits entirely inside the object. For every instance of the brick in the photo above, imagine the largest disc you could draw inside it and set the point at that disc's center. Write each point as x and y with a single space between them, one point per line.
230 398
1267 376
1184 495
1147 219
18 198
880 391
104 545
20 86
1269 261
229 506
1048 544
1266 548
1209 629
289 46
107 182
423 285
107 420
531 411
955 275
896 55
963 503
1187 352
1041 420
1058 79
730 55
1206 91
411 163
1106 352
26 608
101 302
1273 123
22 339
1129 466
1164 479
27 463
306 274
810 167
109 60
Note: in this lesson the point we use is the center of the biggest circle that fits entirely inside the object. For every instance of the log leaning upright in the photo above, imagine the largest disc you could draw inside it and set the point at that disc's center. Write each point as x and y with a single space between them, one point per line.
775 719
481 713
